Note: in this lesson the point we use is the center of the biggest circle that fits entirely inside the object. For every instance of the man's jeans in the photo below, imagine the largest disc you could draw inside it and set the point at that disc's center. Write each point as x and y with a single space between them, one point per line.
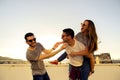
41 77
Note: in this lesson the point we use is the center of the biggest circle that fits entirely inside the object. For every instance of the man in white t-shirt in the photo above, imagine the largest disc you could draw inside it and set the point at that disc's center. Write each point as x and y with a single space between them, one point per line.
73 46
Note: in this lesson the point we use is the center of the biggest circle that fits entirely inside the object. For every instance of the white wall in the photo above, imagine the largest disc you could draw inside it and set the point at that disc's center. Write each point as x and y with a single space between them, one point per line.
57 72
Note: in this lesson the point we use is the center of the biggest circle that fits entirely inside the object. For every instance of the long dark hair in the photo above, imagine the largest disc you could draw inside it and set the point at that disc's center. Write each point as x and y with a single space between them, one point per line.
92 36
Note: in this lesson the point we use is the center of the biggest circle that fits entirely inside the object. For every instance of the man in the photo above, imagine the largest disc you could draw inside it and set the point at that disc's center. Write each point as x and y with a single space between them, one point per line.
75 62
35 57
89 38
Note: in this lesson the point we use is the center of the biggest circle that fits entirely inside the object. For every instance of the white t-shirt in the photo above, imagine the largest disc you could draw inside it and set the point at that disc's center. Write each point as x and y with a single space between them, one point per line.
75 60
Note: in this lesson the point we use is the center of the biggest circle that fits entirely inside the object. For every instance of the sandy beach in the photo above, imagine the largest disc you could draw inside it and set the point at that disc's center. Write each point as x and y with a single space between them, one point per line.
57 72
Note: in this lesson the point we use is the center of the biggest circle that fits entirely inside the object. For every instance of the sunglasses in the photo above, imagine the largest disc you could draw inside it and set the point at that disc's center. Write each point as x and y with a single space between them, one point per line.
31 40
82 24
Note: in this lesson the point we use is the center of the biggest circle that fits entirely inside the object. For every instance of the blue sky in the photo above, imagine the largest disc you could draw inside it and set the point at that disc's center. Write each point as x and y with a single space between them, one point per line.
47 19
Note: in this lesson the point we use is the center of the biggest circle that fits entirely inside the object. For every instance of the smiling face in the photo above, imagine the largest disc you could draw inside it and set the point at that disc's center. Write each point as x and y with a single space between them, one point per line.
31 41
84 26
65 37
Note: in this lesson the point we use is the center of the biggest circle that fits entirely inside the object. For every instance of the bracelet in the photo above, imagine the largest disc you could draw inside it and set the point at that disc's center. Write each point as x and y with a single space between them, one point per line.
53 48
92 71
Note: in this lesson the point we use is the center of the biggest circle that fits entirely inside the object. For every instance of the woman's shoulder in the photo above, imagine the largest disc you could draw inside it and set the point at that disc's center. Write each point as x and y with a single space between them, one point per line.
79 33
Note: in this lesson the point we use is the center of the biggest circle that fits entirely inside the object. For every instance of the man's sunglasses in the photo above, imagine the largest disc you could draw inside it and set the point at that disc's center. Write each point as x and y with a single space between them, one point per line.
34 39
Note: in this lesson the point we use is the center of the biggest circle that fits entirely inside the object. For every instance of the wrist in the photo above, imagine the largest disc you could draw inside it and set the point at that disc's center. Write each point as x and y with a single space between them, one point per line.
53 48
92 71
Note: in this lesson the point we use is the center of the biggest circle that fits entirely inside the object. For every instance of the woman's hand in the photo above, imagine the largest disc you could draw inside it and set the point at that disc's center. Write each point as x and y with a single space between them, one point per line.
72 54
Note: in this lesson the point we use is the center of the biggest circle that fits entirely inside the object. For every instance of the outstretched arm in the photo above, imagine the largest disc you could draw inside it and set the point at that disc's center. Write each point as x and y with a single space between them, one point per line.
45 56
50 54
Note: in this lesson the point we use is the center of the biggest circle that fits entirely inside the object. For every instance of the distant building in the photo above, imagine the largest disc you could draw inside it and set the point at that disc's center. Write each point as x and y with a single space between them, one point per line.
103 58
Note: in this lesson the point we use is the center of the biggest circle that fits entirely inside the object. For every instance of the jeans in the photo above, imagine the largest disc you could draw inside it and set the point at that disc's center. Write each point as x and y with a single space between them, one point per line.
85 69
41 77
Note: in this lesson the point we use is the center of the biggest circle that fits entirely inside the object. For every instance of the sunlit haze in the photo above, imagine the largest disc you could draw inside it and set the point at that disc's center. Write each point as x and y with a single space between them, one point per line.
47 18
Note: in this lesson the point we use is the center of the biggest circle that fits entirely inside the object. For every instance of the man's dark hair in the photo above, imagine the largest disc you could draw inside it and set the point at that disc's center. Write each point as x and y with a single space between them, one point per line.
28 34
69 31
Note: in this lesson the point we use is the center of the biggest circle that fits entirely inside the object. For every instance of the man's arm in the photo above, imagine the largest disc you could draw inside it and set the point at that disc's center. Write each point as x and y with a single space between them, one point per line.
48 55
45 56
46 51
